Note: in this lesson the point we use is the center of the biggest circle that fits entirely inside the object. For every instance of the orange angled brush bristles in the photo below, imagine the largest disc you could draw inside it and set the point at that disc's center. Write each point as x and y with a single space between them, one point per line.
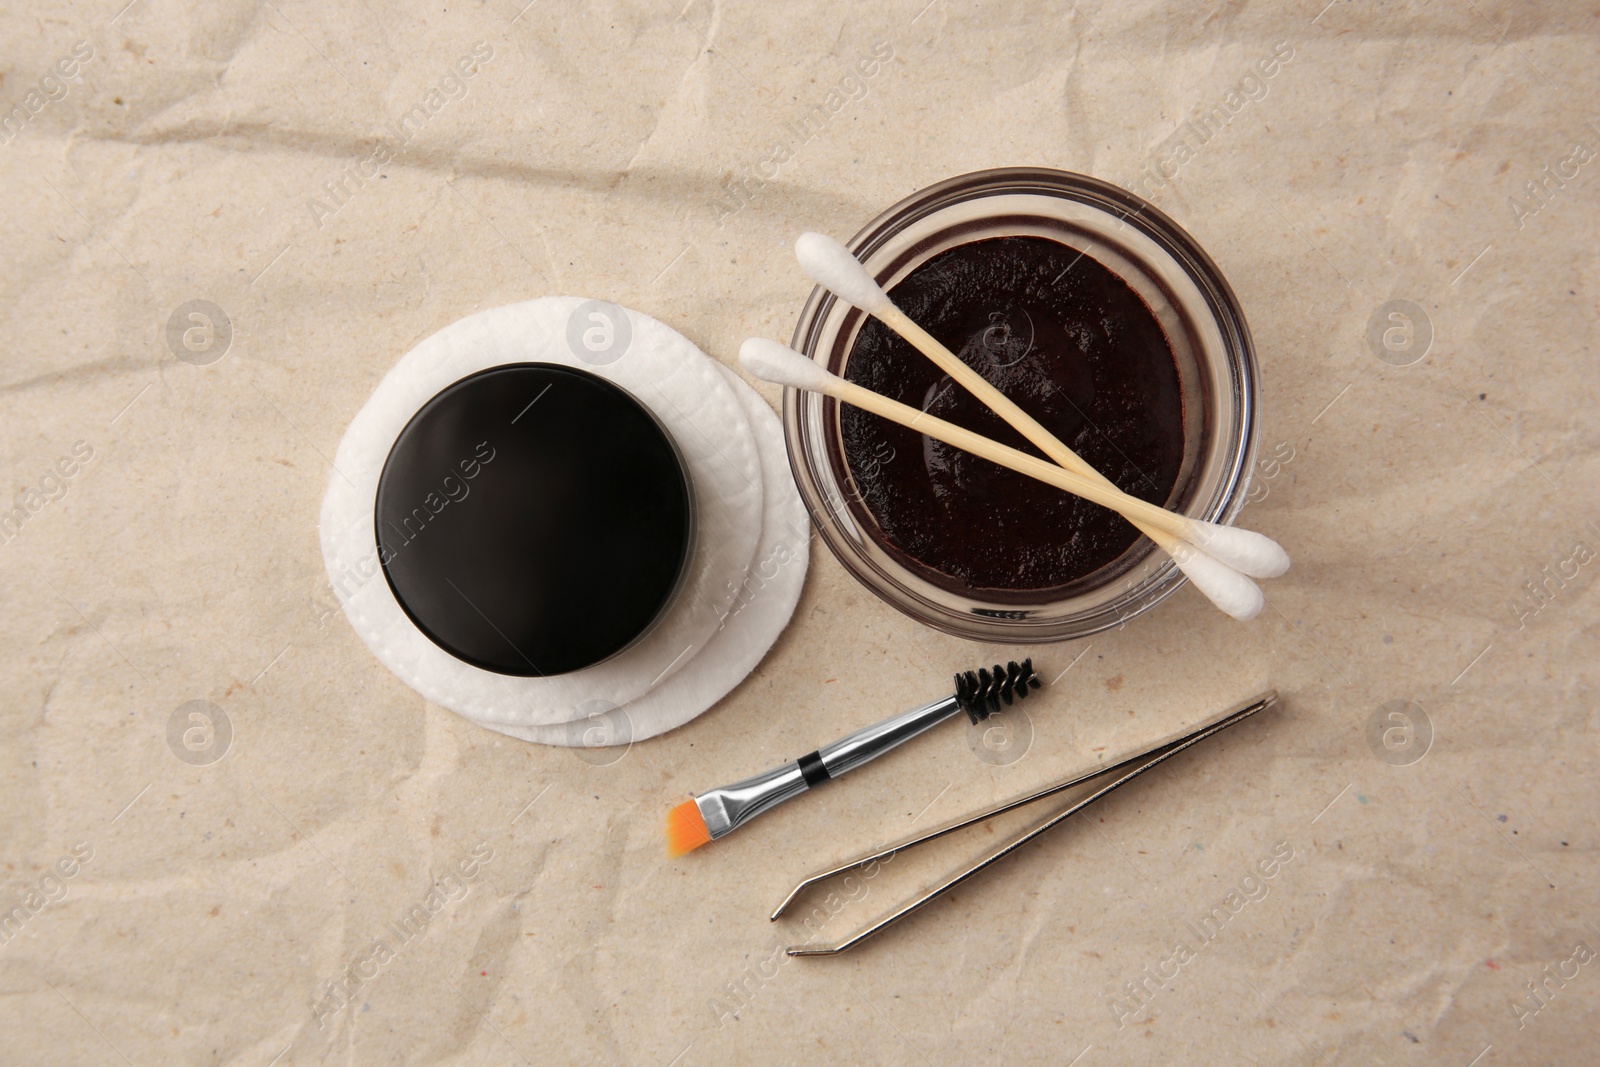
686 829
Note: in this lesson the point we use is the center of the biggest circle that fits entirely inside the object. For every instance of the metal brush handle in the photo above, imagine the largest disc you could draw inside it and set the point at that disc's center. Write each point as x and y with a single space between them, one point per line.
870 742
731 806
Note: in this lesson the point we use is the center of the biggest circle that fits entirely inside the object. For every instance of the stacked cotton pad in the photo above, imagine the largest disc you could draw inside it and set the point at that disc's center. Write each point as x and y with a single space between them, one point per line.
743 578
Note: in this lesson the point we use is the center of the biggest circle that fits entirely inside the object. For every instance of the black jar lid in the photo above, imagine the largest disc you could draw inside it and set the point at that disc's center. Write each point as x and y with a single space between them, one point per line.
534 519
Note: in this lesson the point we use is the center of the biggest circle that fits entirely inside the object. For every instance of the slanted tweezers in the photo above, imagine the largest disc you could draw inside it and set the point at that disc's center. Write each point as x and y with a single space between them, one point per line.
1122 773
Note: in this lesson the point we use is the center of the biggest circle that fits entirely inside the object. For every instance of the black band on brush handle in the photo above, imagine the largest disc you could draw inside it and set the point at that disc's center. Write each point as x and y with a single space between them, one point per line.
812 769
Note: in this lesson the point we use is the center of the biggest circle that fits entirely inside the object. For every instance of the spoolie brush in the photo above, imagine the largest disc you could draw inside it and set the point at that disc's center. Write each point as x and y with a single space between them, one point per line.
980 692
712 814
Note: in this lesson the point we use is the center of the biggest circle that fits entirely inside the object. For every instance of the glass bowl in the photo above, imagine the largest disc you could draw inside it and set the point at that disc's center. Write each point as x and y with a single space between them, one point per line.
1211 347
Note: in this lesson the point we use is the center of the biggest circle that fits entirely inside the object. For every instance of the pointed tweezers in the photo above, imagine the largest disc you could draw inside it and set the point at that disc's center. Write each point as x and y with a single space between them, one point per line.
1124 772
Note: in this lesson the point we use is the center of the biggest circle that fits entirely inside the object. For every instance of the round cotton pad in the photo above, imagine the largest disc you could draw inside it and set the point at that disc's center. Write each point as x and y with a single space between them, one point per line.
762 610
684 389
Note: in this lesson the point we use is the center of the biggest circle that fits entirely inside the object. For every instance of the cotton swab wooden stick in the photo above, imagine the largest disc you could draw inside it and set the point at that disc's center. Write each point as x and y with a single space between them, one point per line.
1225 587
832 266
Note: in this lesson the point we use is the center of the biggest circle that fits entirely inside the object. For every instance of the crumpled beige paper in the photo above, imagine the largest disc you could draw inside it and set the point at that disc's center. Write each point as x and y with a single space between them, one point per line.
231 837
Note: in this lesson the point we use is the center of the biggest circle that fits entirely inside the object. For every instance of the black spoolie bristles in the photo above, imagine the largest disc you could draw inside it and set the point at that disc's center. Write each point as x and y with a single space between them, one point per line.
980 692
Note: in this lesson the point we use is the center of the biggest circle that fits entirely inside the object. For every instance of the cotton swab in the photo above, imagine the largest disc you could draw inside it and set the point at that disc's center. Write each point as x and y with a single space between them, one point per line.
1225 587
832 266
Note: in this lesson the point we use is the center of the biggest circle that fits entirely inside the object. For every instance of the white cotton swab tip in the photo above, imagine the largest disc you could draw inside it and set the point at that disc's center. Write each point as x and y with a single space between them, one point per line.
1225 587
782 365
832 266
1246 551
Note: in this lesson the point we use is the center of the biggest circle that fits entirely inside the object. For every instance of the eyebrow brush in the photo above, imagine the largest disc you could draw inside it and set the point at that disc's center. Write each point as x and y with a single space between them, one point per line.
718 812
